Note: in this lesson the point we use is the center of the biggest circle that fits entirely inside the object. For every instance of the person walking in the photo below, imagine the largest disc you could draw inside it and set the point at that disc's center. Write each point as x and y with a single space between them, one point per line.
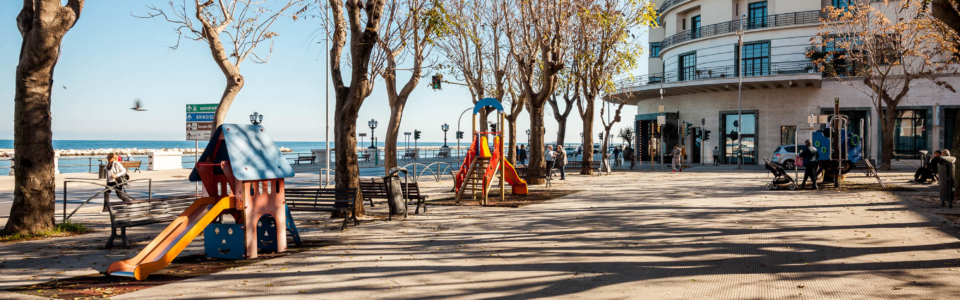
560 160
616 156
522 155
809 155
548 156
716 156
677 153
116 175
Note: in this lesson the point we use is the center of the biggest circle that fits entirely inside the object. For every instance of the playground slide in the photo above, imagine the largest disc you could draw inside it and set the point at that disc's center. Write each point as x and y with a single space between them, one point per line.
166 246
518 185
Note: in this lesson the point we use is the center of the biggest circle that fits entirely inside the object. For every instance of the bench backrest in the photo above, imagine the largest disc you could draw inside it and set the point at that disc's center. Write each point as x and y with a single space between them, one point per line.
130 163
537 172
373 188
306 198
150 209
412 190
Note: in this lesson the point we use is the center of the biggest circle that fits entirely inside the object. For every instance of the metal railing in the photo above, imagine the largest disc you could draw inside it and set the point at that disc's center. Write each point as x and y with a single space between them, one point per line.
436 170
787 19
106 189
667 5
718 72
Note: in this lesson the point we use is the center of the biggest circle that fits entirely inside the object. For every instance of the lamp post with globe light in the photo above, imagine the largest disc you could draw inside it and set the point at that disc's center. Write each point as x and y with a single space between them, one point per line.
373 125
445 127
256 118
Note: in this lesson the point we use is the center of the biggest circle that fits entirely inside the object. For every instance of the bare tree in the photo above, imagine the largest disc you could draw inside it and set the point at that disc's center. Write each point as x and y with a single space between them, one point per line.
476 50
882 50
408 31
243 24
607 125
361 21
42 24
627 135
535 30
568 92
603 47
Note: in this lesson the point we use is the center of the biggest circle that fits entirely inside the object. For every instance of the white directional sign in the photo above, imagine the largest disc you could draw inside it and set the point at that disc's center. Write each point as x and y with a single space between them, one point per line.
200 121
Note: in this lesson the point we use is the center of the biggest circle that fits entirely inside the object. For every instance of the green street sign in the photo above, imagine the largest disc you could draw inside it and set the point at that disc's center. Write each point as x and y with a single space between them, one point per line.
196 108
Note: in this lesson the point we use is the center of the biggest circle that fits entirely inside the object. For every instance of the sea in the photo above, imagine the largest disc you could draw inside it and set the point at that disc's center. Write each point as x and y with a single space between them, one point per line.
83 164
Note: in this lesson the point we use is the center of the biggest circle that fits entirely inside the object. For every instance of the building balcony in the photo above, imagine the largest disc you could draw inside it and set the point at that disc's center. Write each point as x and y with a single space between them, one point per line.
788 19
667 5
789 74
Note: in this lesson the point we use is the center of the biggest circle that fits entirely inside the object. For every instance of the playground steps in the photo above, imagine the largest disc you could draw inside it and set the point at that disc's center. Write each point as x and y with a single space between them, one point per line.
473 185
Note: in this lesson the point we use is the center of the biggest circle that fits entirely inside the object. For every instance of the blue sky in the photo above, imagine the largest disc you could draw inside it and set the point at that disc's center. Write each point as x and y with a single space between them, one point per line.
110 58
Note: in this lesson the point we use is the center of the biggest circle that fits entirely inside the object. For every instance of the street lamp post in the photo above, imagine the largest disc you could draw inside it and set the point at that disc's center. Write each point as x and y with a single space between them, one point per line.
740 92
373 125
445 127
256 118
528 136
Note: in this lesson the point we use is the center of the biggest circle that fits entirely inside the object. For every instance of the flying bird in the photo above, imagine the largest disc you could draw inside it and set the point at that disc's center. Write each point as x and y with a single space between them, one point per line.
64 87
137 106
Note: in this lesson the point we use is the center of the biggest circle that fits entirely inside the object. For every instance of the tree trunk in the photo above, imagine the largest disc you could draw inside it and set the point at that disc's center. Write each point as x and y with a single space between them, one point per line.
234 84
889 124
587 139
347 171
561 131
955 152
42 25
393 129
536 140
512 140
603 149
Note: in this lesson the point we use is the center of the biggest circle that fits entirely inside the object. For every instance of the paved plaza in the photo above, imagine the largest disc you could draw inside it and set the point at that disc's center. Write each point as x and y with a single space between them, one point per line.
707 233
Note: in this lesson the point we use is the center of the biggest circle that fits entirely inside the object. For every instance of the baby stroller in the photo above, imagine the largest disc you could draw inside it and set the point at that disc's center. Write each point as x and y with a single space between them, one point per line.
780 177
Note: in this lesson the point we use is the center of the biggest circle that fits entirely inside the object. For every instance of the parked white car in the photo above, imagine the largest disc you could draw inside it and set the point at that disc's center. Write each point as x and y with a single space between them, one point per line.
785 156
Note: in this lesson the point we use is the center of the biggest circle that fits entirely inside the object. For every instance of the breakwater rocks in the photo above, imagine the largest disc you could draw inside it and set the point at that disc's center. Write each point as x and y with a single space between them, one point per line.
120 151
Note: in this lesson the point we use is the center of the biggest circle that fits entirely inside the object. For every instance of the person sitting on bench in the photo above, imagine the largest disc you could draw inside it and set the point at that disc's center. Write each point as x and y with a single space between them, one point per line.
927 171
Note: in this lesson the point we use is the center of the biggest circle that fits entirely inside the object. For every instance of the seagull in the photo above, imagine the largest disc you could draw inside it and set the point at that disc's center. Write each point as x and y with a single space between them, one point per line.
137 105
64 87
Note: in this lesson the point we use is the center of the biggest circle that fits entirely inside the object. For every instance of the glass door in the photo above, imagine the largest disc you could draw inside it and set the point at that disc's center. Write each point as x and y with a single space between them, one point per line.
744 146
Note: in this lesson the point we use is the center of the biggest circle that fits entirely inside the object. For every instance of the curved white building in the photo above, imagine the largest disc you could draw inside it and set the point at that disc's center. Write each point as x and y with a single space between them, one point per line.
693 62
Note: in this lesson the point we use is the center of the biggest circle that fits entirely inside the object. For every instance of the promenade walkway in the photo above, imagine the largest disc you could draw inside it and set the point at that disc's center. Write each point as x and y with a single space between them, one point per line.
710 233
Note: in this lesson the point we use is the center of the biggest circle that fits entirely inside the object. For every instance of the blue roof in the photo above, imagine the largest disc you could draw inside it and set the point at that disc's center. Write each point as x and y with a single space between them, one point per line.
251 152
487 102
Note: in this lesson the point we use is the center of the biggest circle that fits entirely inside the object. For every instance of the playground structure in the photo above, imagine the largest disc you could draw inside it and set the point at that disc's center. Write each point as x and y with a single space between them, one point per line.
242 173
481 165
836 145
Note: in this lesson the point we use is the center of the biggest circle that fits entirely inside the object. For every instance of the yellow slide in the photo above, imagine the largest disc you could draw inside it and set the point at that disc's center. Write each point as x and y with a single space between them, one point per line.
163 249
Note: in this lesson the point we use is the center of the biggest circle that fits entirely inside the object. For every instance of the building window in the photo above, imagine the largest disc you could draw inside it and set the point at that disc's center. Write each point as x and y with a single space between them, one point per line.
910 135
757 15
756 59
688 66
732 141
841 3
695 27
788 135
655 49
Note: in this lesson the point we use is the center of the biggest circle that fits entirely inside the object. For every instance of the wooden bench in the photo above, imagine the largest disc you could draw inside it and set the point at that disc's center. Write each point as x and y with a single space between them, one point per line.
373 188
444 152
131 164
535 172
341 201
365 156
144 212
310 158
376 188
412 190
410 153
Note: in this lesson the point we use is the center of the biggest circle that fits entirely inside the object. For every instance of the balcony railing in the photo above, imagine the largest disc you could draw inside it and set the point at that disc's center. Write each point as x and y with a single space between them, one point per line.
719 72
668 4
788 19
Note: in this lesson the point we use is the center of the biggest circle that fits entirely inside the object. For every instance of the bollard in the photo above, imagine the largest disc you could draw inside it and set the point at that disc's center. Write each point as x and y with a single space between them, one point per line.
946 170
